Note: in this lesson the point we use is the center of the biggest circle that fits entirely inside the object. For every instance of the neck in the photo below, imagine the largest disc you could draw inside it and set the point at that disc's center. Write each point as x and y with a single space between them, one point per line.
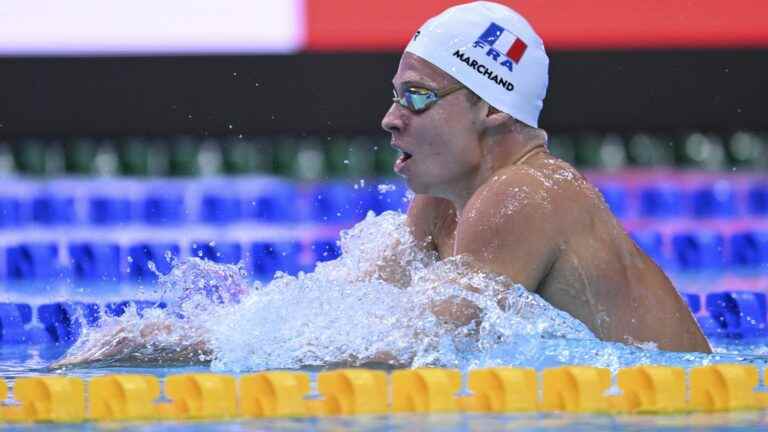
498 154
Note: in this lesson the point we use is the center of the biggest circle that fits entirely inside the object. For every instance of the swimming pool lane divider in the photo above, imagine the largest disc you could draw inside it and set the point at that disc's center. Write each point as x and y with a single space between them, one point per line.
210 396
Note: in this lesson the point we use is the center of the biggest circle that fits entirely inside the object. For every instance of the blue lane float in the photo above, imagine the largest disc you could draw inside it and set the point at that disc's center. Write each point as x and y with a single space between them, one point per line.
729 314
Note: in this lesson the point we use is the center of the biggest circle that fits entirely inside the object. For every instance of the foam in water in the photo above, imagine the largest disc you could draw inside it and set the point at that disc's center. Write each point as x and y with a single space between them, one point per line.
377 303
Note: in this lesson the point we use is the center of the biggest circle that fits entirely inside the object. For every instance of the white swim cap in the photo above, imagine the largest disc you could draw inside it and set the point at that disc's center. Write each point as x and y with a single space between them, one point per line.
493 51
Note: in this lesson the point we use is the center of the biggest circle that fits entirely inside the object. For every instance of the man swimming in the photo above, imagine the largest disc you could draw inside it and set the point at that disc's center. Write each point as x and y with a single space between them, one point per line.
468 92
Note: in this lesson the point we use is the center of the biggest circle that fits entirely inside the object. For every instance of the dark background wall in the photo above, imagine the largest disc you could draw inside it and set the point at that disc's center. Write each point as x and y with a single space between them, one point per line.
609 90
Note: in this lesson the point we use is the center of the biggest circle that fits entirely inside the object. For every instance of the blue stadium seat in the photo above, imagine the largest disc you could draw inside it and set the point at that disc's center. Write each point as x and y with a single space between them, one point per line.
276 203
698 250
33 261
710 326
340 202
52 209
64 321
714 201
757 199
615 196
325 250
140 255
740 314
220 209
10 212
661 201
749 249
218 252
15 328
652 243
693 301
117 309
95 262
164 209
91 312
270 257
110 211
13 320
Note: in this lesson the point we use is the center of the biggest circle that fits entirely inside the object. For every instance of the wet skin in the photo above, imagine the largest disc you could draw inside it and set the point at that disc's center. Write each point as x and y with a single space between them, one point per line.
489 189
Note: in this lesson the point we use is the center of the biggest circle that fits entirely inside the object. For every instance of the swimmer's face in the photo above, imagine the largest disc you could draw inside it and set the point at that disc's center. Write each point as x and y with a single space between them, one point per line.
440 146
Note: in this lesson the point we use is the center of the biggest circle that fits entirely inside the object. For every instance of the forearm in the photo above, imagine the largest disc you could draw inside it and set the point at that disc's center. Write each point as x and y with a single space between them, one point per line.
154 342
456 311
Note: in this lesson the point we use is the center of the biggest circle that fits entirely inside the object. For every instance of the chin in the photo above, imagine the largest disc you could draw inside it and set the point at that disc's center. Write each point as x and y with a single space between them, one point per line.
419 187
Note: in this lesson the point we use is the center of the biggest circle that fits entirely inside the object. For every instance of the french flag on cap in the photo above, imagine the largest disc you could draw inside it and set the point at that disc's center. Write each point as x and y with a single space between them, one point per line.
504 41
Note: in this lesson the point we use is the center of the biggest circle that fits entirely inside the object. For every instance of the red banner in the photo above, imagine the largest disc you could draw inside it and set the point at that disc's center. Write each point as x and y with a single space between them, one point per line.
346 25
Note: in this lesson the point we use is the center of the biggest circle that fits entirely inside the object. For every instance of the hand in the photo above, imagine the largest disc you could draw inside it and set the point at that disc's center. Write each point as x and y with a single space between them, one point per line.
154 342
102 345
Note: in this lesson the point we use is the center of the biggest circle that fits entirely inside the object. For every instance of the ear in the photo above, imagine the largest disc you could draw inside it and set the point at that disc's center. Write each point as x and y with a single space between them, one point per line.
495 118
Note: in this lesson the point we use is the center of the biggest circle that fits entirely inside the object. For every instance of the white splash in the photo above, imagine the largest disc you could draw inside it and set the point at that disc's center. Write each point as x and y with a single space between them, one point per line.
376 303
384 188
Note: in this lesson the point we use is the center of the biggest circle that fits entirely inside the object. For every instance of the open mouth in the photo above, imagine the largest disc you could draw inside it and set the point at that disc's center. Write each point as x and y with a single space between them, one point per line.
401 161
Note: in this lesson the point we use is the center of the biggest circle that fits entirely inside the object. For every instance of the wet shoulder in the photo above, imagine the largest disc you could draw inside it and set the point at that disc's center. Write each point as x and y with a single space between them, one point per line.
545 188
567 188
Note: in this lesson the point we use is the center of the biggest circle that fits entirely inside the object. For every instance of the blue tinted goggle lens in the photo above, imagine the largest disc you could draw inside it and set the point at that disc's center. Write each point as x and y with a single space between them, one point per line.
416 99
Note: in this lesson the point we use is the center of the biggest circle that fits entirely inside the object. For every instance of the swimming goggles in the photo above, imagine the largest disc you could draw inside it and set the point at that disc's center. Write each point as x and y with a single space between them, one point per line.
419 99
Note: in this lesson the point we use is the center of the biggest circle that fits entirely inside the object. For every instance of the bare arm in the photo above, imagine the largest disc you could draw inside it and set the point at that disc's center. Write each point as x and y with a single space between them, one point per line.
504 231
154 341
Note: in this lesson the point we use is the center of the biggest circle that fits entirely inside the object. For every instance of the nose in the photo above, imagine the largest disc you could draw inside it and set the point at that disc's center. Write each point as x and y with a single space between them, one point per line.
393 119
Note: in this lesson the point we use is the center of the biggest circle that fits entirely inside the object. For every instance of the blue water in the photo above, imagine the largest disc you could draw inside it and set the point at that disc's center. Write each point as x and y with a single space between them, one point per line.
376 298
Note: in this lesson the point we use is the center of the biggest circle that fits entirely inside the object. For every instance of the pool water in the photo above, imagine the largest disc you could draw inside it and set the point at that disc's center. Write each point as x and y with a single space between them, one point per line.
340 314
20 361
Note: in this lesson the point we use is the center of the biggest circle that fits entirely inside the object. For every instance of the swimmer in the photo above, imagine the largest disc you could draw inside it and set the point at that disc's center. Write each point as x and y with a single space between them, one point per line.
467 96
